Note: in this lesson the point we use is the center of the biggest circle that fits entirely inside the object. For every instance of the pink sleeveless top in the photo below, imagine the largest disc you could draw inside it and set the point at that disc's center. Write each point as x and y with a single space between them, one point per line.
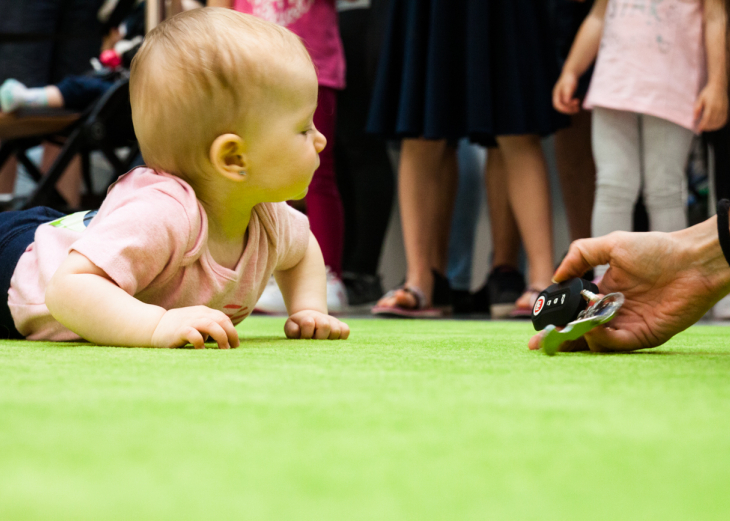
315 22
651 59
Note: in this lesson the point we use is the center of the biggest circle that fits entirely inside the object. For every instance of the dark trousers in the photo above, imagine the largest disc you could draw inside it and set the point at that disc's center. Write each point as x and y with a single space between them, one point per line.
81 91
364 173
17 232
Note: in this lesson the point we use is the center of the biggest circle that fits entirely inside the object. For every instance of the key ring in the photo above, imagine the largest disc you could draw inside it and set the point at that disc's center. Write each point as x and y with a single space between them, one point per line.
600 311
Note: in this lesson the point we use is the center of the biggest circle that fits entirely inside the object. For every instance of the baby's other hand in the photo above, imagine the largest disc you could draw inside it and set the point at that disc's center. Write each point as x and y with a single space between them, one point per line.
565 88
313 324
193 325
711 108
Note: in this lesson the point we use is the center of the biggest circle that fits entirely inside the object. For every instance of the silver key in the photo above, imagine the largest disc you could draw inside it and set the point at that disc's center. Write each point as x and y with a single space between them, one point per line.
600 311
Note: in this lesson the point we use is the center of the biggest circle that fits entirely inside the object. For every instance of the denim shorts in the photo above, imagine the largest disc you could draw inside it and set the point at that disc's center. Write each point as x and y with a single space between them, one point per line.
17 232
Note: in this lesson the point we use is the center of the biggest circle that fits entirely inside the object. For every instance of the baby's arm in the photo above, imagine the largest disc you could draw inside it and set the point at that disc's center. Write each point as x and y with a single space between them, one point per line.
712 103
304 288
82 297
582 54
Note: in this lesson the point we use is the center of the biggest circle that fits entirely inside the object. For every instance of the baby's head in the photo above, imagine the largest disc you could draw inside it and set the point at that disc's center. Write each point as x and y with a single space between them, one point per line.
216 91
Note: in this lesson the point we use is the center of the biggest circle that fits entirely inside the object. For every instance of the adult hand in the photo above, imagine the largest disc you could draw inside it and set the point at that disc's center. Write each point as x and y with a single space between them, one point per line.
563 94
669 280
194 324
313 324
710 110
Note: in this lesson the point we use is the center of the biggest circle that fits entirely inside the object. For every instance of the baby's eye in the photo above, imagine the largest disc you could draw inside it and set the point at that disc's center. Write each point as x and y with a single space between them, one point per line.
305 132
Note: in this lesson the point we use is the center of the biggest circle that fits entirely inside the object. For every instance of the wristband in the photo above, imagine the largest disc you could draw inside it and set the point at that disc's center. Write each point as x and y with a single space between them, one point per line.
723 232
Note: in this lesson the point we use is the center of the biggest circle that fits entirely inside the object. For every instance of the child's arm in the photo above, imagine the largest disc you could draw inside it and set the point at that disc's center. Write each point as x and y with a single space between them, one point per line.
82 297
582 54
304 288
711 105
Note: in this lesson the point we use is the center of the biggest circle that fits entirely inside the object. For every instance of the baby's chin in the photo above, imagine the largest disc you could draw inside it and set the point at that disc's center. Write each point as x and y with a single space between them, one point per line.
301 195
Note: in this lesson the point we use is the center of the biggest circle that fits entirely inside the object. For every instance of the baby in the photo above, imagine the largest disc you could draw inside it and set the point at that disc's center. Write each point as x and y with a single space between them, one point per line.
181 250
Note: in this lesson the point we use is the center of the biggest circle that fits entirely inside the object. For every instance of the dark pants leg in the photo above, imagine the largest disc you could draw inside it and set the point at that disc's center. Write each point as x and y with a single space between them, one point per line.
17 232
364 172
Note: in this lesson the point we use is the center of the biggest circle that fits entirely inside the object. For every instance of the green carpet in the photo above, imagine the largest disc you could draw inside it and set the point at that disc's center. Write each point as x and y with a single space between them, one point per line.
406 420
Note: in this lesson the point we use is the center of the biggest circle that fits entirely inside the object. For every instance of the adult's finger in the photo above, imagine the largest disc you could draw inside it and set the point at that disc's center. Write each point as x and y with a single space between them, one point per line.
583 255
608 339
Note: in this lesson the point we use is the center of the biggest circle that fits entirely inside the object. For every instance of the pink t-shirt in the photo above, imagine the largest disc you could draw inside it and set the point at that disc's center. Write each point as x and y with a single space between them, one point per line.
651 59
151 237
315 22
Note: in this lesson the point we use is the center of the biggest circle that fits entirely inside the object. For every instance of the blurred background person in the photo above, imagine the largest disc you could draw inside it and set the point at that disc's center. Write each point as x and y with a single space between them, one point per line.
43 42
660 77
483 70
364 172
573 153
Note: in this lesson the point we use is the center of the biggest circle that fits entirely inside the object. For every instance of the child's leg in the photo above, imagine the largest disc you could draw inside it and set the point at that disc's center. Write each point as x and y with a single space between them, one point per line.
78 92
529 196
616 149
15 95
666 148
577 173
324 206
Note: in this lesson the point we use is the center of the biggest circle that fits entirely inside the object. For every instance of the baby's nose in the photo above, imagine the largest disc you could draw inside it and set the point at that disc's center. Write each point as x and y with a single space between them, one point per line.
320 142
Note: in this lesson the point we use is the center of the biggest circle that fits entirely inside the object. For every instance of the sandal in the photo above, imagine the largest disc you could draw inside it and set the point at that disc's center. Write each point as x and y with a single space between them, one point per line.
522 311
441 301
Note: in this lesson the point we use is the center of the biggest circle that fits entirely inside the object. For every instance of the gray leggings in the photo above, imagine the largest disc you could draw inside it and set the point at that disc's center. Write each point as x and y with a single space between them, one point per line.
632 150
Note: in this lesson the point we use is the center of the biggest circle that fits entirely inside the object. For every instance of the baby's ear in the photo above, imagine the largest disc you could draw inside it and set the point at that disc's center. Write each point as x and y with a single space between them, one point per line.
227 155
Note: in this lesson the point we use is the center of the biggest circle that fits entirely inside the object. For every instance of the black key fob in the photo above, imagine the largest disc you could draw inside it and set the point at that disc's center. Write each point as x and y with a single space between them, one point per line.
561 303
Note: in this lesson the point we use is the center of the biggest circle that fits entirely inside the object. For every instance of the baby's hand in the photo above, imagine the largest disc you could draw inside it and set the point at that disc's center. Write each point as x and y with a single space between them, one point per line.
563 99
313 324
711 108
194 325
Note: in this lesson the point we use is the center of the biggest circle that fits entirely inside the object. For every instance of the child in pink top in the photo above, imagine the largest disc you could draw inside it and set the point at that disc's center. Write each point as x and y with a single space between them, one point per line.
181 251
660 77
315 22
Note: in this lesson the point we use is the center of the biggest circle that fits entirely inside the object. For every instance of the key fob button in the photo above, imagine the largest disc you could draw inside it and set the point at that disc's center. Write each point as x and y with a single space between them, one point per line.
560 303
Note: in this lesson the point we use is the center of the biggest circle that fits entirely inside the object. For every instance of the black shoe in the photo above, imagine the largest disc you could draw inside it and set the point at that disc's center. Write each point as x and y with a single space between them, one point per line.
463 302
498 296
362 288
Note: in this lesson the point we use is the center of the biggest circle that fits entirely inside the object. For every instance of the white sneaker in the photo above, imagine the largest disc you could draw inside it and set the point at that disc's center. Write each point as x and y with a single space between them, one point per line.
271 301
336 293
721 311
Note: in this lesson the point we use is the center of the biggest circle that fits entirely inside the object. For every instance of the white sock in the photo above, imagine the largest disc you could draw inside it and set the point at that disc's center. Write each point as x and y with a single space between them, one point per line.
14 95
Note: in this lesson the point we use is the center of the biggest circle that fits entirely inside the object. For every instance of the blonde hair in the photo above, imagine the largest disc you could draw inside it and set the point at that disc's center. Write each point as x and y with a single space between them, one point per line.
197 76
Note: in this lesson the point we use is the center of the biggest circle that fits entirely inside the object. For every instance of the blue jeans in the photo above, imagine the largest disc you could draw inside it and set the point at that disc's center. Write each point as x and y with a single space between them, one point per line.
17 232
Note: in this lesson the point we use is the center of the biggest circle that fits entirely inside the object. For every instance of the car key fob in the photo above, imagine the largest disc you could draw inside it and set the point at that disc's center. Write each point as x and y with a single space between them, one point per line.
561 303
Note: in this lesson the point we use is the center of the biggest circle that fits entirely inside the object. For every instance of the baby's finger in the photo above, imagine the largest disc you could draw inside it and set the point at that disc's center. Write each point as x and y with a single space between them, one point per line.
194 337
344 331
335 331
230 331
307 326
218 334
291 329
323 330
